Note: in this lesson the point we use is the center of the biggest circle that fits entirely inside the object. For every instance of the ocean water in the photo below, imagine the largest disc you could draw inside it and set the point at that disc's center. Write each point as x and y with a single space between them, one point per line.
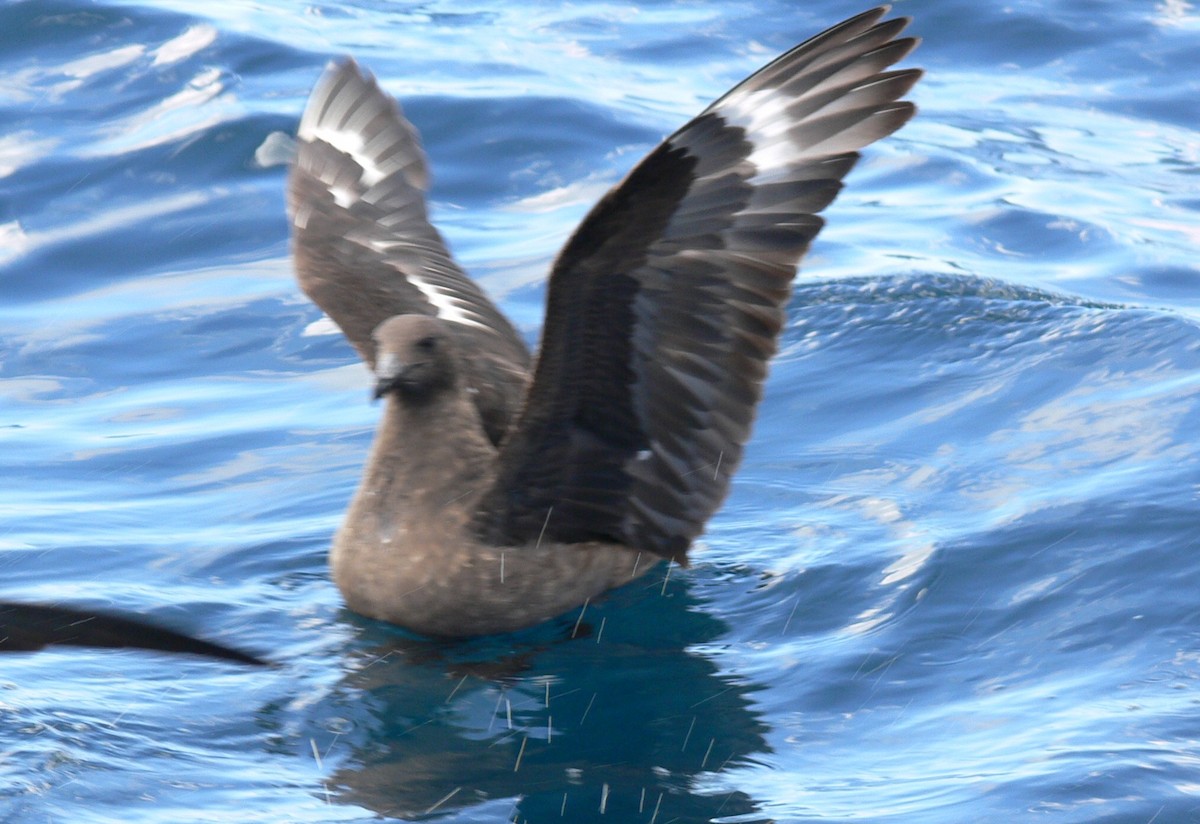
958 576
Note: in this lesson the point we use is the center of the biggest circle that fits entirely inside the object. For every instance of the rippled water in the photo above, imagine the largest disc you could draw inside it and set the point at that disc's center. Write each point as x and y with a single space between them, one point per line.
957 576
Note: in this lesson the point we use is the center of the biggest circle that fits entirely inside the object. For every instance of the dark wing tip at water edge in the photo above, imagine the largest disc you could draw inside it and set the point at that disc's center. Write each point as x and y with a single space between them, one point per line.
31 627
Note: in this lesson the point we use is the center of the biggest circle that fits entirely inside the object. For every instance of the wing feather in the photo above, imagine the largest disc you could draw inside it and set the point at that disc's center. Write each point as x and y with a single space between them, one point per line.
365 250
665 305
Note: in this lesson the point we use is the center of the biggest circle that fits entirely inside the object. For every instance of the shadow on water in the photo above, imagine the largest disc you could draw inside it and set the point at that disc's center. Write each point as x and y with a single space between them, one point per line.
608 715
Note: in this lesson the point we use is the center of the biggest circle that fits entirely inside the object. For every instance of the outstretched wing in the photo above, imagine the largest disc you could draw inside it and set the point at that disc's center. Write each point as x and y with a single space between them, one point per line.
363 245
665 305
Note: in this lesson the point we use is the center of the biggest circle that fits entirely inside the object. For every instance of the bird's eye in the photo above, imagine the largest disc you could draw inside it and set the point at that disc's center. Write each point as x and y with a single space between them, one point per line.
427 344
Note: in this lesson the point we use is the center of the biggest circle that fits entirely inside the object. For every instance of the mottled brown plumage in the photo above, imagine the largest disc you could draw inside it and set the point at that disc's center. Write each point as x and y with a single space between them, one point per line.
494 497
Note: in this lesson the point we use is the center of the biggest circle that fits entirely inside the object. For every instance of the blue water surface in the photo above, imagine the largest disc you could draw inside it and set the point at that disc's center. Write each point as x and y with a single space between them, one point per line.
958 576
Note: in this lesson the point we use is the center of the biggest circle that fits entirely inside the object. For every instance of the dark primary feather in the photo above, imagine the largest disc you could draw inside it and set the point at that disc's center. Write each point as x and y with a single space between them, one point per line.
27 627
365 250
665 305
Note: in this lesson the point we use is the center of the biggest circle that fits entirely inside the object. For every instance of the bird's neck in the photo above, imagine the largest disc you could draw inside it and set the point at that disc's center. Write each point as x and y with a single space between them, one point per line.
436 447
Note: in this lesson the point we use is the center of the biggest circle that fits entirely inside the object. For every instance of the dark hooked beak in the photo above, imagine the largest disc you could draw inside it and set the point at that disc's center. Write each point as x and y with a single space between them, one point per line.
384 386
388 378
